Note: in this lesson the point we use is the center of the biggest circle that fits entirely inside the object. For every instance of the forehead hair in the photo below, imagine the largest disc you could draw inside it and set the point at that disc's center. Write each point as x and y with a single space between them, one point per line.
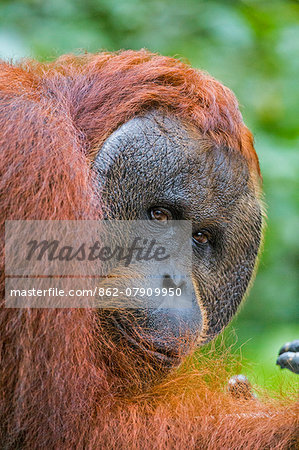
102 91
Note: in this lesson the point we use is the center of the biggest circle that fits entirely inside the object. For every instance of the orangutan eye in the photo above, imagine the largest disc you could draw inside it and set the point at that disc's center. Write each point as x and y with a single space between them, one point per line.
200 237
160 214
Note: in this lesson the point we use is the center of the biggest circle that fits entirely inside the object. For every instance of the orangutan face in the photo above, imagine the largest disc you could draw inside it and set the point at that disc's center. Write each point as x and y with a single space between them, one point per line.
156 168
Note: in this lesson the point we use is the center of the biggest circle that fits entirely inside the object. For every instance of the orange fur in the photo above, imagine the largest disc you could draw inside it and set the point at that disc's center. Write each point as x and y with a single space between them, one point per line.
57 386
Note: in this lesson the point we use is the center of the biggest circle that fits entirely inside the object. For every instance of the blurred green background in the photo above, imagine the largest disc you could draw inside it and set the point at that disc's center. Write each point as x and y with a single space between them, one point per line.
252 46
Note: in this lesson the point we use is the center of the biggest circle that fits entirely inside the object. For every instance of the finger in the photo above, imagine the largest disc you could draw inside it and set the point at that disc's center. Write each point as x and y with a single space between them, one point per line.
292 346
240 387
289 360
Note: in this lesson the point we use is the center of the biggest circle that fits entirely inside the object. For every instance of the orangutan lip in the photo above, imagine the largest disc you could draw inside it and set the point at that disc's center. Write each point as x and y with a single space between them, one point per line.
168 358
165 358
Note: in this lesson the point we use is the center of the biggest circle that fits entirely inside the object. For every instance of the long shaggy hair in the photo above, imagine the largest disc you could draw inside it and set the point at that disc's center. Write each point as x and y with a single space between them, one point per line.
59 386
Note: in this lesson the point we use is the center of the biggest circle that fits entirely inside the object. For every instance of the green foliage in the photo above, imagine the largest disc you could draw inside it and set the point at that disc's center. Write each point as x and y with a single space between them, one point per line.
252 46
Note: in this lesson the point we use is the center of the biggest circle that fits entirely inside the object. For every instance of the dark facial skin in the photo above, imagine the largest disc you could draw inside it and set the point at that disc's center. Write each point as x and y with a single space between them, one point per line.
157 168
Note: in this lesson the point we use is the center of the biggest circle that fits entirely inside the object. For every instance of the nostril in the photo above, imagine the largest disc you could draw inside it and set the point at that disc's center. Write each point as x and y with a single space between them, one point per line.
181 285
168 282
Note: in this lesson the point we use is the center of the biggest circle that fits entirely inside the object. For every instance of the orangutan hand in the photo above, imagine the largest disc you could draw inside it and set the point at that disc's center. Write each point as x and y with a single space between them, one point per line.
289 356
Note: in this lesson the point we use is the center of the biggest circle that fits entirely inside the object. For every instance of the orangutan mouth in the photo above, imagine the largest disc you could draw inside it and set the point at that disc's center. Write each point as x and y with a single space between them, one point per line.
147 346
